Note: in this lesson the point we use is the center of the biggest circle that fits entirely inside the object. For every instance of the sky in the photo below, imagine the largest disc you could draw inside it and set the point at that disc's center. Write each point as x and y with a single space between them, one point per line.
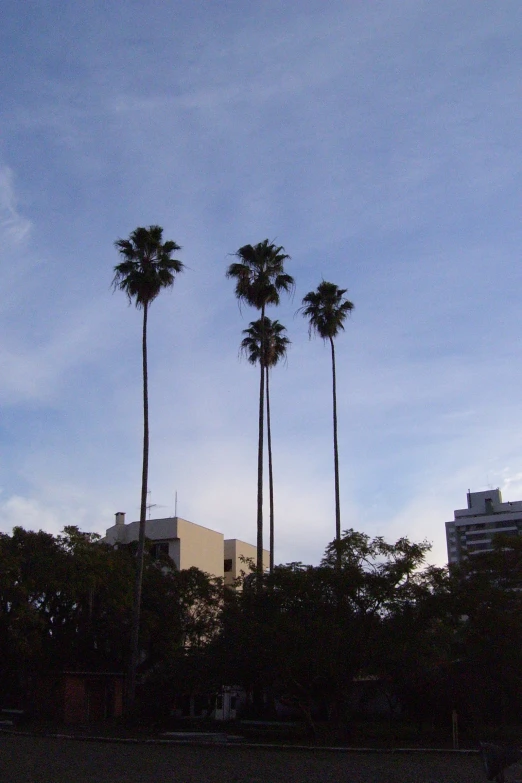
378 142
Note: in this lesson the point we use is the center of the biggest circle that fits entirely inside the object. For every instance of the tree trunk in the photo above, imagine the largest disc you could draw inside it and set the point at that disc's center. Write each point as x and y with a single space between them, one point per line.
136 607
259 563
270 473
336 454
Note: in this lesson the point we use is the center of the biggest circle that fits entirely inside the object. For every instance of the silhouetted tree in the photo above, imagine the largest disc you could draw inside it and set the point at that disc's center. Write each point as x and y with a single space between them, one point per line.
147 268
276 345
326 310
260 277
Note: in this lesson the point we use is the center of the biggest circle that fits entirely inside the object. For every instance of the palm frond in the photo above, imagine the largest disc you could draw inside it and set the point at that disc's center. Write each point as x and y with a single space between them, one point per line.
269 334
259 274
326 310
147 265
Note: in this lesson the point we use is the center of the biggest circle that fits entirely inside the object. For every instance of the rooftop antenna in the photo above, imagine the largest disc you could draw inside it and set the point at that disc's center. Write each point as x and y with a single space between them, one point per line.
176 503
152 505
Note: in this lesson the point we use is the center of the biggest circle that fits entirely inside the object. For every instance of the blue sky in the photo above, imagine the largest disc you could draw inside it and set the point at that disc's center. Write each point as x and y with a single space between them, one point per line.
378 142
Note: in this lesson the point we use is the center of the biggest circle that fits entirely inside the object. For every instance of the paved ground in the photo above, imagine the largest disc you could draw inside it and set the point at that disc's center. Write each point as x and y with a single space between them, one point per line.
49 760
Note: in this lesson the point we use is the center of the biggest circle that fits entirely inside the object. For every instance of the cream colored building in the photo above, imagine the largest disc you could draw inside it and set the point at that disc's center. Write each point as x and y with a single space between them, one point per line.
235 550
188 544
184 542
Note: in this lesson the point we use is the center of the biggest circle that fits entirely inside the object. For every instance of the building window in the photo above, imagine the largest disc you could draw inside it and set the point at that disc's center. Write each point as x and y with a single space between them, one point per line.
228 565
159 550
489 506
483 546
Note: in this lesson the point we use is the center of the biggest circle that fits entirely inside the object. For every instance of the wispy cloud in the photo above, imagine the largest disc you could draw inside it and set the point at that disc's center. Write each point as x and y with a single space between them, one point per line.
39 368
34 514
14 227
379 143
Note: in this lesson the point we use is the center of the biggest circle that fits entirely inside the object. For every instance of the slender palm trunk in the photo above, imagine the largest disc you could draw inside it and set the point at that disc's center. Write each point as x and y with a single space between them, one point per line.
270 473
259 563
136 607
336 451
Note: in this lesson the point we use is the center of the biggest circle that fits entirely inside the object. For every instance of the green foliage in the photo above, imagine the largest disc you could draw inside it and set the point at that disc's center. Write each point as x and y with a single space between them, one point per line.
313 629
66 603
487 598
432 640
180 611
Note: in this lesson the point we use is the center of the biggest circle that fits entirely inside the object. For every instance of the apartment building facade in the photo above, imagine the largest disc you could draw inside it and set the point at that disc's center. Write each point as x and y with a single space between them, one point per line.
473 528
237 553
188 545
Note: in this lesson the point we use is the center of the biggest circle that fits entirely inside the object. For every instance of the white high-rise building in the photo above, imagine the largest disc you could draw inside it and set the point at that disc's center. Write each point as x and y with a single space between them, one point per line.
474 527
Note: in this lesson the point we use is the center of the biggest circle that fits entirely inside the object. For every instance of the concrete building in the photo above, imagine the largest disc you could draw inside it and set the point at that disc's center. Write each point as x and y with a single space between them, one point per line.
474 527
184 542
188 544
235 550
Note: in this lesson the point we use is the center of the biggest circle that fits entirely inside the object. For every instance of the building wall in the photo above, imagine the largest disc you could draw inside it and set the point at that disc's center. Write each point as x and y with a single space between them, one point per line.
77 697
92 696
474 527
75 708
235 549
188 544
201 547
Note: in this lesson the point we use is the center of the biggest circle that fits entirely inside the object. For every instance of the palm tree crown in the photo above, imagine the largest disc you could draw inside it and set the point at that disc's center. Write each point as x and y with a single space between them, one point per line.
269 332
259 274
147 267
326 309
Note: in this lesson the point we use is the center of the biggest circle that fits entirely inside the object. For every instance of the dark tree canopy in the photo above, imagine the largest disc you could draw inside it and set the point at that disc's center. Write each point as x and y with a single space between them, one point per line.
429 640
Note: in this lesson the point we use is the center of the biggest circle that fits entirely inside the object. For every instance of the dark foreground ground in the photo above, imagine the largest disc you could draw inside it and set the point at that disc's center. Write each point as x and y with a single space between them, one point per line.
26 759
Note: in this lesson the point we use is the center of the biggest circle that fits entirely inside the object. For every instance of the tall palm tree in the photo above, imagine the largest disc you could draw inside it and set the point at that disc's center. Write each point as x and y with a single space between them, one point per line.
147 268
260 278
326 310
276 344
